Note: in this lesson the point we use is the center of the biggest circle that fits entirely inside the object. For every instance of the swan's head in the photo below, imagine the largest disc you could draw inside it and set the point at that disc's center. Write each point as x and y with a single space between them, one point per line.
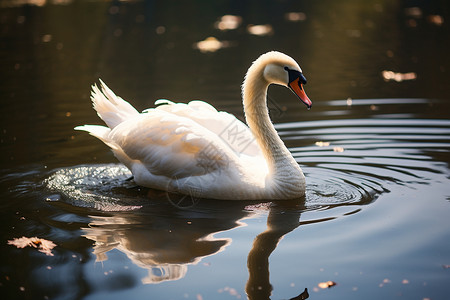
278 68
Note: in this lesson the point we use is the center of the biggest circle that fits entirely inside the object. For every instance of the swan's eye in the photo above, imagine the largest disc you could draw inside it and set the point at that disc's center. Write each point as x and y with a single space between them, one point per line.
294 74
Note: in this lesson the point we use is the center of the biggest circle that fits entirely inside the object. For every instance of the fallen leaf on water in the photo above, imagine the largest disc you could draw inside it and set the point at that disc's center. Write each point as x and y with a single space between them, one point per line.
211 44
322 144
295 16
231 291
260 29
228 22
385 281
436 20
338 149
327 284
414 12
42 245
399 77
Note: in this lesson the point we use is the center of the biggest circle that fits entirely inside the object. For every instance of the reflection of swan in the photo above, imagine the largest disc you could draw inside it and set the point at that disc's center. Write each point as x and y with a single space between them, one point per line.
282 219
164 240
193 149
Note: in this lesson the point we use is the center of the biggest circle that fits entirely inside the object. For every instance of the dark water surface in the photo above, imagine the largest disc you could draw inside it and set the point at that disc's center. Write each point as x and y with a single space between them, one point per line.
374 149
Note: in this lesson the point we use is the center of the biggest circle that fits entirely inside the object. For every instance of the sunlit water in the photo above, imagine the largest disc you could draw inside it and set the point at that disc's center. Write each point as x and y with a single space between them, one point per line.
375 216
373 185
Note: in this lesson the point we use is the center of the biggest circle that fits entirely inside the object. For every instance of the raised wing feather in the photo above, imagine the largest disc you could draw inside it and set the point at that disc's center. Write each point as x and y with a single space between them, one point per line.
172 146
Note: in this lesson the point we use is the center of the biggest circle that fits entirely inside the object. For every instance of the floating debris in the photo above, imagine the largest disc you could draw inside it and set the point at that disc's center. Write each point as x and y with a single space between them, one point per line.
399 77
160 30
295 16
327 284
228 22
42 245
385 281
260 30
322 144
231 291
338 149
210 44
46 38
436 20
414 12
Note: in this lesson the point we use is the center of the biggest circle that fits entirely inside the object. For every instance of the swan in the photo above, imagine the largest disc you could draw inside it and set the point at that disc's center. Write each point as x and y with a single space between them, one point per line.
195 150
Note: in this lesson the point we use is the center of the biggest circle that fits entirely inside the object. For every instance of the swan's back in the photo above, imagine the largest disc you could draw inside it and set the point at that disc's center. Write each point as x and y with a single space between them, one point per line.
176 145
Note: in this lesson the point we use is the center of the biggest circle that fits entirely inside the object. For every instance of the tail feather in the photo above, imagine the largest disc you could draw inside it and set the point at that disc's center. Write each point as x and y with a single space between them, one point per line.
100 132
112 109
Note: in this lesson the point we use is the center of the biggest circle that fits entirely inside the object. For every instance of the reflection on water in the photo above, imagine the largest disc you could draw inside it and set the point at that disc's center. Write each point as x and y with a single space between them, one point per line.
165 240
281 220
161 244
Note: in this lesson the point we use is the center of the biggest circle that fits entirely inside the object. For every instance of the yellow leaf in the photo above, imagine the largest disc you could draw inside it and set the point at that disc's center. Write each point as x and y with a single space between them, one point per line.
43 245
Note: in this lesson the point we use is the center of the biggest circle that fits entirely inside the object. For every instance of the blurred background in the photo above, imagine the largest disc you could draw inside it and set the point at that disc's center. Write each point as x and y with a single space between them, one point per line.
52 51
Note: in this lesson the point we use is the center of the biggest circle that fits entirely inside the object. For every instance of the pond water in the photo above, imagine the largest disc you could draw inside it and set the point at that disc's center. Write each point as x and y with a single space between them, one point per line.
374 149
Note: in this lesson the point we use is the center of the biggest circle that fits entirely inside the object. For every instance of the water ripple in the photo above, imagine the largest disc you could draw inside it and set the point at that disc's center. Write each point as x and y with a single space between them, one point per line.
354 160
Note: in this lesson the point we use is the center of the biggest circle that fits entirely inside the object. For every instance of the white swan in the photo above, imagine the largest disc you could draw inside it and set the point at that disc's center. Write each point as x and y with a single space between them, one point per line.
195 150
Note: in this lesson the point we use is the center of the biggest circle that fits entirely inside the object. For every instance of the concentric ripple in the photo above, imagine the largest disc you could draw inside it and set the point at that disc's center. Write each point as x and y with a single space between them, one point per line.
354 160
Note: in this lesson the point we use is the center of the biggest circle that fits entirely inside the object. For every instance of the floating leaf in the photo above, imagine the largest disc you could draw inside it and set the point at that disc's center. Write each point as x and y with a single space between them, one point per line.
295 16
228 22
436 20
327 284
260 29
322 144
399 77
42 245
338 149
211 44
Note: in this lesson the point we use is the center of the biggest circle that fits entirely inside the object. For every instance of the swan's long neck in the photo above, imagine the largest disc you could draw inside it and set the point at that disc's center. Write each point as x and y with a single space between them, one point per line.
282 166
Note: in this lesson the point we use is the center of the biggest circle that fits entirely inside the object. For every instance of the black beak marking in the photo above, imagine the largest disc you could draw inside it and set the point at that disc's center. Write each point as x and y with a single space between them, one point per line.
294 74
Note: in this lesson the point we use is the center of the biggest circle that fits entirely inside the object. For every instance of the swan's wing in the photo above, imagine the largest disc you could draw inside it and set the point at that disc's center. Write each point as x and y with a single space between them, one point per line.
171 146
112 109
226 126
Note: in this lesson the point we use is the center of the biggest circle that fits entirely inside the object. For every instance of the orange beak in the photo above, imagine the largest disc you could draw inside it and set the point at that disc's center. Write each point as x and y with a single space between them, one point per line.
297 87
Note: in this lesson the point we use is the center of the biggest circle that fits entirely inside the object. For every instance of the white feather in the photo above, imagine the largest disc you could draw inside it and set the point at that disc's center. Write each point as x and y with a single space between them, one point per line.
195 149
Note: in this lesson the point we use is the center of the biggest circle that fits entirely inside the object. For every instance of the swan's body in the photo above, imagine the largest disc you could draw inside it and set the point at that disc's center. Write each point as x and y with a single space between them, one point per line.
195 150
